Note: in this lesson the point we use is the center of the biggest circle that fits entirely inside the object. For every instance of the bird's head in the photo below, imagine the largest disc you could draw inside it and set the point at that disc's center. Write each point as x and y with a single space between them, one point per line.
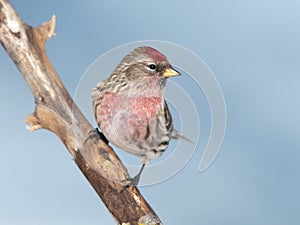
146 62
145 70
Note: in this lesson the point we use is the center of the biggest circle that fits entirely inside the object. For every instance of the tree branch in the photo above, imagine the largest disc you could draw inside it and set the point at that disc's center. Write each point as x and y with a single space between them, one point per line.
56 112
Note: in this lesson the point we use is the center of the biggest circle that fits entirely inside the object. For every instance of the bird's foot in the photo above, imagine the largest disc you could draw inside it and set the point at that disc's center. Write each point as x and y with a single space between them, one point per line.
95 133
132 182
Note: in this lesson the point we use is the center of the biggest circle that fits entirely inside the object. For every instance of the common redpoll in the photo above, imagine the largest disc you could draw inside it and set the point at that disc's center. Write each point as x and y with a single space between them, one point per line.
130 109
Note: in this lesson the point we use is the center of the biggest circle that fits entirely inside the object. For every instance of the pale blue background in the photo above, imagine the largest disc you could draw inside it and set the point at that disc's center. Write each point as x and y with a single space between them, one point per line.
253 48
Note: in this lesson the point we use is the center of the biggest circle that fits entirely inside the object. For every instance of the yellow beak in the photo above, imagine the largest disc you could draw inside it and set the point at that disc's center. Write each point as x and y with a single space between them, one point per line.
170 72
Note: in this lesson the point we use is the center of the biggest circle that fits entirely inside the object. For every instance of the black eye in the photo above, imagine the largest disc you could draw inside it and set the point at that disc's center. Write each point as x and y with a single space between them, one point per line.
152 66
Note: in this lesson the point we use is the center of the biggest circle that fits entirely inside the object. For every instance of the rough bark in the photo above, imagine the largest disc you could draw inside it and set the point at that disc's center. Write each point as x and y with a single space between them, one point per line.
56 112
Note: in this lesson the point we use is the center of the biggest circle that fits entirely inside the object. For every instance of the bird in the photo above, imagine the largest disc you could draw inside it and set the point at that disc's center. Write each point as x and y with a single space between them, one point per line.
130 109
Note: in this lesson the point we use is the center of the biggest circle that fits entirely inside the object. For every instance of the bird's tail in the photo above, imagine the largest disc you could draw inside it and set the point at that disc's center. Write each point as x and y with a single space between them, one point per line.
177 135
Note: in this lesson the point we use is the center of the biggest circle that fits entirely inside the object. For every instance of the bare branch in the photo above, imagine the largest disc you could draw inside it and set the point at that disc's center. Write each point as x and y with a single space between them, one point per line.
56 112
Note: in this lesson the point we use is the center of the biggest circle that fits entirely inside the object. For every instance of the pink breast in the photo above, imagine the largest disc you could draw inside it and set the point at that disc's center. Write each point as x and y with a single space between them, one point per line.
138 112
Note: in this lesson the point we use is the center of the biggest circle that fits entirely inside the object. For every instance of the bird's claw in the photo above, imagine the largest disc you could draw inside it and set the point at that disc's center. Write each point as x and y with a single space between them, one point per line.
132 182
95 133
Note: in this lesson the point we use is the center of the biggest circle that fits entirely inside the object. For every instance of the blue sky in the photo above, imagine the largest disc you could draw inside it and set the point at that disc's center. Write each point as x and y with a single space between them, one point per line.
252 47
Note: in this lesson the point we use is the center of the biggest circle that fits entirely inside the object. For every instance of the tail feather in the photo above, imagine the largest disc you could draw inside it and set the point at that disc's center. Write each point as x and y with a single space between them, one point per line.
176 135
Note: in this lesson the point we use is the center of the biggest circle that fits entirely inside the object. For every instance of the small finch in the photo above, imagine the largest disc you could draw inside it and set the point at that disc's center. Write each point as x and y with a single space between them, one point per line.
130 108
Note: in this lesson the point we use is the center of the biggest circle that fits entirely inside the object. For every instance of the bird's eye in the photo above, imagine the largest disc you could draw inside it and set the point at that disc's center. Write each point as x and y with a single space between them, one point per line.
152 66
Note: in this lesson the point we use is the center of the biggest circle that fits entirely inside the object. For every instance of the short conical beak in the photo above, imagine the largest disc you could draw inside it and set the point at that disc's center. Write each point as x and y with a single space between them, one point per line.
170 72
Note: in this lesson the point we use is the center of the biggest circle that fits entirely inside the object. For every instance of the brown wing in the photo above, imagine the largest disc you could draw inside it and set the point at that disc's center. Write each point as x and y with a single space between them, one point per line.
168 118
169 125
